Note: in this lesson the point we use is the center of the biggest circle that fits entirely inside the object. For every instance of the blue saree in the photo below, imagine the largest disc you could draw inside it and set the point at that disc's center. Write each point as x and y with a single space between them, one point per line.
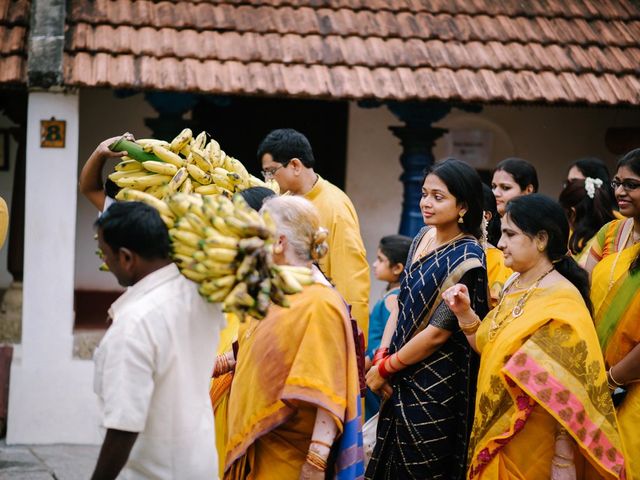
423 428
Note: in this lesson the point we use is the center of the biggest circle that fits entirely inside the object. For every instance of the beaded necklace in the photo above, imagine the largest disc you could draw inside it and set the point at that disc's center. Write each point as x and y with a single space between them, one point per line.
517 311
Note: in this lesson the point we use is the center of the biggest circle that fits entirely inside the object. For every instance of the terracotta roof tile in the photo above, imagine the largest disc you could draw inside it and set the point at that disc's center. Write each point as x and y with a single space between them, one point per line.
577 51
14 25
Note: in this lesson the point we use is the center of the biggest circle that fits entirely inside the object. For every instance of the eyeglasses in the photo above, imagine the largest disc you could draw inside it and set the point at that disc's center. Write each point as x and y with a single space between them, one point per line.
627 185
270 172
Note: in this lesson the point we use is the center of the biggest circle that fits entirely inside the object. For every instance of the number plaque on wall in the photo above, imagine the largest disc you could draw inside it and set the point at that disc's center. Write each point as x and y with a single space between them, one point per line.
52 133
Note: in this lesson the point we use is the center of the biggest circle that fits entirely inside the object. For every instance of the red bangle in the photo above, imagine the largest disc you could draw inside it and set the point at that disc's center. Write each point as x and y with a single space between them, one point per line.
379 355
397 357
384 373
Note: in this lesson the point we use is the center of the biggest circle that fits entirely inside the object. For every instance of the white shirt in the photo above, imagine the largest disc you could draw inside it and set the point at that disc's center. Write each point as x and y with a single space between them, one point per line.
152 373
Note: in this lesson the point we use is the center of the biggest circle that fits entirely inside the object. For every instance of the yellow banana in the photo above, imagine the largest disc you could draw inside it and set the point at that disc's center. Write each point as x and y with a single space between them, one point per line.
222 255
130 195
196 222
234 165
178 205
103 267
214 153
247 264
238 296
216 269
268 221
184 236
244 229
200 160
211 189
115 176
187 186
177 180
182 249
140 183
249 245
218 296
168 156
128 166
256 182
160 167
168 221
186 151
220 225
200 141
290 284
150 142
183 139
198 174
219 241
158 191
193 275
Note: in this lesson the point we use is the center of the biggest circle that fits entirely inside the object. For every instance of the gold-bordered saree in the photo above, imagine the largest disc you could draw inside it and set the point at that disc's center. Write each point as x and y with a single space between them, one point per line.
542 368
615 294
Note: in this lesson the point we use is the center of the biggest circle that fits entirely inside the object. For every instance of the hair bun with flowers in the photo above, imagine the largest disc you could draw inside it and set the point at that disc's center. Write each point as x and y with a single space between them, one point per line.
591 184
319 245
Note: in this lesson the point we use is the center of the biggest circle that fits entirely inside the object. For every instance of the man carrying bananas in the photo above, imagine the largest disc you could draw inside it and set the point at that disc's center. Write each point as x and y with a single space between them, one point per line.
153 366
286 156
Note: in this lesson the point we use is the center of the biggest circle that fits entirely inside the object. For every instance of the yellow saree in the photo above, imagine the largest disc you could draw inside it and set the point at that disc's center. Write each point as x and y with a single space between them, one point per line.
615 293
497 272
219 389
537 370
296 360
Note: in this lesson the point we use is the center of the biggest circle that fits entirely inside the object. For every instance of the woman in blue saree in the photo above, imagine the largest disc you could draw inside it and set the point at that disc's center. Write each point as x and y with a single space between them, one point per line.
425 369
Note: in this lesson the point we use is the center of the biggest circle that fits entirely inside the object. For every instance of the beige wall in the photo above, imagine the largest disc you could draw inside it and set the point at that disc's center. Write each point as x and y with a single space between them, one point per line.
549 137
102 115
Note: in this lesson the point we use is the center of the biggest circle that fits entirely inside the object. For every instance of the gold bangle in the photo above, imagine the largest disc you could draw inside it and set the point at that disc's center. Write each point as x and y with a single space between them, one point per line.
610 375
315 460
470 328
324 444
560 464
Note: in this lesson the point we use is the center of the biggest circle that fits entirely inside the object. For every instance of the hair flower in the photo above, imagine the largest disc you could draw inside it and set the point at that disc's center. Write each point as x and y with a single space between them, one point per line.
590 185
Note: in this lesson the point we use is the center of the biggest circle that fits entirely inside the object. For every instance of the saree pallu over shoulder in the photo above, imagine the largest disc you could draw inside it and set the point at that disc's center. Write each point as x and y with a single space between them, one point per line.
423 428
610 239
547 358
295 360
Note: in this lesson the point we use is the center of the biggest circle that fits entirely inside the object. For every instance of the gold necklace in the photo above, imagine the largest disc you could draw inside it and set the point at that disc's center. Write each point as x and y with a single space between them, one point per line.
517 311
423 253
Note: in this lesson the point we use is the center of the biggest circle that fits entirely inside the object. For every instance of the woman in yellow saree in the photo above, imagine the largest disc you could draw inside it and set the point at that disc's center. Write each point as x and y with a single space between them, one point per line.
294 407
615 292
221 382
543 409
497 271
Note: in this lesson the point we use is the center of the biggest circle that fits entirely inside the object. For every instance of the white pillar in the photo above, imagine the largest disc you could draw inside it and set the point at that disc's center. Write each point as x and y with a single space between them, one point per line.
50 396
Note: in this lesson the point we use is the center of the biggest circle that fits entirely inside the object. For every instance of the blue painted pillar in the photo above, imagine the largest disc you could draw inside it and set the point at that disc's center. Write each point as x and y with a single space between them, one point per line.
417 138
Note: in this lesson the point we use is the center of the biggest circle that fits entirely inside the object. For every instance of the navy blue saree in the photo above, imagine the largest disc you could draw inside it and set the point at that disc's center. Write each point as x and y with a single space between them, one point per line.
423 428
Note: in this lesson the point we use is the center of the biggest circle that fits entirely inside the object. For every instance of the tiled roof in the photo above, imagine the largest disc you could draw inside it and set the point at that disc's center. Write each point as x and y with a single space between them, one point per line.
14 24
571 51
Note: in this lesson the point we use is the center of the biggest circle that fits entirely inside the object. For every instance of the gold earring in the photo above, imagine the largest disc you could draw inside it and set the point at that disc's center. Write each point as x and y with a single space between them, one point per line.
461 216
278 248
540 248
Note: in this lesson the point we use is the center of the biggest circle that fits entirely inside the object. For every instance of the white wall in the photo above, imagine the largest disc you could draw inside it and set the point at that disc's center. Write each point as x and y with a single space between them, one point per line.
6 191
102 115
549 137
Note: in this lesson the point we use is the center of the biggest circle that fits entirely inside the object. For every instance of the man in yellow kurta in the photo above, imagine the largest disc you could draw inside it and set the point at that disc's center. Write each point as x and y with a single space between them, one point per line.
286 156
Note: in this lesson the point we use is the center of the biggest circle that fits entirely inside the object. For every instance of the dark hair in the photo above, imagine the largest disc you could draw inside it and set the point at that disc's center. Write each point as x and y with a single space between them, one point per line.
592 167
538 213
522 172
255 196
631 160
589 214
489 205
136 226
465 184
395 248
111 189
285 144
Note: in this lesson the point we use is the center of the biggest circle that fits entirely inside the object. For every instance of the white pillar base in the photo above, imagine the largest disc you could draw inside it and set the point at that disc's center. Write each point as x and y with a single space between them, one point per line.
51 398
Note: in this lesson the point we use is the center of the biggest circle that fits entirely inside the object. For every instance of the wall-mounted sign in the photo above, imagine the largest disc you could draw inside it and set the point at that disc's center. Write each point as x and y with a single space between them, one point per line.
471 145
52 133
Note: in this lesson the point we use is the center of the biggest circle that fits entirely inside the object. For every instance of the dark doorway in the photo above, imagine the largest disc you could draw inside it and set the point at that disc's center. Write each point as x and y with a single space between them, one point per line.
240 123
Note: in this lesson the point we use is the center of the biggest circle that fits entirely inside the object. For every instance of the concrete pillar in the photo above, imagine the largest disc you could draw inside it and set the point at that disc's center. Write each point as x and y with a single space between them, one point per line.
51 398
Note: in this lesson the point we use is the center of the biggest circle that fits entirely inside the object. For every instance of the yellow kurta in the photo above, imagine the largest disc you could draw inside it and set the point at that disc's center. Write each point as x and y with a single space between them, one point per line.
292 362
497 272
346 263
537 370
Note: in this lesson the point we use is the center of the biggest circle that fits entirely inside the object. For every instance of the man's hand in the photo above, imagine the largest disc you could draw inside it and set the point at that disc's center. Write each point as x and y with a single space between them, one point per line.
114 454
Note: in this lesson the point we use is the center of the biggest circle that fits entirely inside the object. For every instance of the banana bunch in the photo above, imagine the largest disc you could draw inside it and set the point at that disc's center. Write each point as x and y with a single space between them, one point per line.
225 246
186 164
